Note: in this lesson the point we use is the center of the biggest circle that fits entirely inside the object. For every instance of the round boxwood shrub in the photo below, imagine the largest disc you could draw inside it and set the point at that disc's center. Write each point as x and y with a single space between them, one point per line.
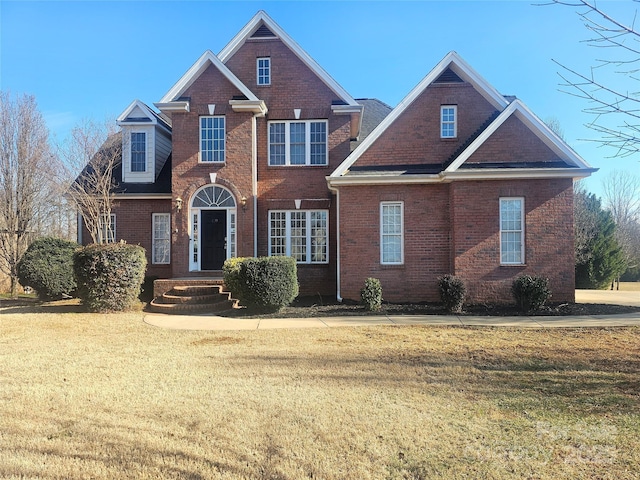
452 293
110 276
47 267
265 284
530 292
371 294
231 276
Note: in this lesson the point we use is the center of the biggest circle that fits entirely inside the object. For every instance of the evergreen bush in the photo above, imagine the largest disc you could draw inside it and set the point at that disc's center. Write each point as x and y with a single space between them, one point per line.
452 293
110 276
530 292
265 284
47 267
371 294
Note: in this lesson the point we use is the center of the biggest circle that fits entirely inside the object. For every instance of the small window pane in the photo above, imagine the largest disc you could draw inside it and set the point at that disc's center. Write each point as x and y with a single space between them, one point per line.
138 152
511 231
161 238
264 71
277 151
297 143
391 233
212 139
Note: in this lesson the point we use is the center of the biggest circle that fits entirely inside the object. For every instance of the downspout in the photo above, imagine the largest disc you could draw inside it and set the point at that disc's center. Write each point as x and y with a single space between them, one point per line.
337 192
254 181
79 228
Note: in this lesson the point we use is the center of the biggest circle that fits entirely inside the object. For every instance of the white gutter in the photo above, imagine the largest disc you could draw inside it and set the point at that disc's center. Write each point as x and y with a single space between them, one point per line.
142 196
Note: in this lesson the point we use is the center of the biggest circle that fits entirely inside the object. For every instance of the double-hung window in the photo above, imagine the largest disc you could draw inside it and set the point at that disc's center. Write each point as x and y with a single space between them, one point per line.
108 229
212 139
161 241
448 121
298 142
138 151
263 71
391 233
301 234
512 231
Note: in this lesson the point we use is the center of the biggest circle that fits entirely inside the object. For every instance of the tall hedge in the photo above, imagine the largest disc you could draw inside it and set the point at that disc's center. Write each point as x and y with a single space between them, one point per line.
264 283
110 276
47 267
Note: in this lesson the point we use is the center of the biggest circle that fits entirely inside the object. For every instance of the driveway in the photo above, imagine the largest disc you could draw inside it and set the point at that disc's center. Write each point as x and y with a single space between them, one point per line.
612 297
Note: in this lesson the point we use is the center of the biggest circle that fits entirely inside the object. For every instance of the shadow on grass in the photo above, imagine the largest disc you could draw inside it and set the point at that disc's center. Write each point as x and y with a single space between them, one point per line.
21 305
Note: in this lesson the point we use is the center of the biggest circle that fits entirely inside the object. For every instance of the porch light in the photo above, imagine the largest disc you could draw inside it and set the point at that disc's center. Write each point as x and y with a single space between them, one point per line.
178 204
243 202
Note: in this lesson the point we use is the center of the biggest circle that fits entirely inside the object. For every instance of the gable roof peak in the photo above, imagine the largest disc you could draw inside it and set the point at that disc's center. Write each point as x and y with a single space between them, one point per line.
262 19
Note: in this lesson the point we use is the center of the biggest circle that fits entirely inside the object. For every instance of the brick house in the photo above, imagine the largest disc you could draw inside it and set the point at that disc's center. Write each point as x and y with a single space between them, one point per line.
258 151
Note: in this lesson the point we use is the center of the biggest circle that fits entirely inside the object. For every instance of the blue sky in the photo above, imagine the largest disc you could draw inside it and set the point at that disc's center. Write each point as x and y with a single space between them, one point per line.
86 59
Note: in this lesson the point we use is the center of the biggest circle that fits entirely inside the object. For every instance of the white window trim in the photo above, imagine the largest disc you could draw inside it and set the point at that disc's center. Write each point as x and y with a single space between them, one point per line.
382 205
308 234
224 151
153 238
522 233
258 71
455 120
307 140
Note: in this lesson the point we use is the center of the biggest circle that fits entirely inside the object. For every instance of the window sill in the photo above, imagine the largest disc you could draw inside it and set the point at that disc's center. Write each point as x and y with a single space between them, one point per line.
511 265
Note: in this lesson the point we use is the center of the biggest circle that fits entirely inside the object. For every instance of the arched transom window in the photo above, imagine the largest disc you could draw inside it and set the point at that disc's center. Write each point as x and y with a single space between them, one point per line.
214 197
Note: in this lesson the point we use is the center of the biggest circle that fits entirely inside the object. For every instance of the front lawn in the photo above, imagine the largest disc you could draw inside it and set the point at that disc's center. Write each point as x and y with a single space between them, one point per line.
106 396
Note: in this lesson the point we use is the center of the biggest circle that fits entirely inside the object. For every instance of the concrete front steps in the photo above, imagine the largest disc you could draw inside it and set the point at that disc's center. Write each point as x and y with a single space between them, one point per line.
188 299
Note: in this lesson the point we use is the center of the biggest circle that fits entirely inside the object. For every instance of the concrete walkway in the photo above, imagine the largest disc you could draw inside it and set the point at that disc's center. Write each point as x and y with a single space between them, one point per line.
213 322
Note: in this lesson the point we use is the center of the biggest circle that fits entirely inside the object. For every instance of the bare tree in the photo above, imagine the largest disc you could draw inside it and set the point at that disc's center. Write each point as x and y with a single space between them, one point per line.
622 199
26 167
608 104
92 153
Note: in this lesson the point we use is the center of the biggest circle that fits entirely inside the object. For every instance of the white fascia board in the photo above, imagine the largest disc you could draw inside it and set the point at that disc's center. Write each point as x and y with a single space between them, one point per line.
142 106
181 106
196 70
261 17
142 196
254 106
462 69
518 173
537 127
333 182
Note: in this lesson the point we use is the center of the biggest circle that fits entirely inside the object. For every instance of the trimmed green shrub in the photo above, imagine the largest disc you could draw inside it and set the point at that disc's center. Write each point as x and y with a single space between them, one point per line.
146 290
452 293
371 294
530 292
231 275
265 284
109 276
47 267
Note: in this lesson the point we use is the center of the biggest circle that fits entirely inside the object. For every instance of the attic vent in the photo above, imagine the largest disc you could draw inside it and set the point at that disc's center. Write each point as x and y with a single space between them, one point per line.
449 76
262 32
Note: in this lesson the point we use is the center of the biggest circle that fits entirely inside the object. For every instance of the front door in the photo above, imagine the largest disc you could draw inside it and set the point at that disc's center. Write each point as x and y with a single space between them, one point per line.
214 239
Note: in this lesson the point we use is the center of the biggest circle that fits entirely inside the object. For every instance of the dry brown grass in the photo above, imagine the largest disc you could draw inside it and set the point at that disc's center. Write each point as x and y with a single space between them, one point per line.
105 396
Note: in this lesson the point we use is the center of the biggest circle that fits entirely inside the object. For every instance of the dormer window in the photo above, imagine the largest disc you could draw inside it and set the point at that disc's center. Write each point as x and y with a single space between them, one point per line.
448 121
138 152
264 71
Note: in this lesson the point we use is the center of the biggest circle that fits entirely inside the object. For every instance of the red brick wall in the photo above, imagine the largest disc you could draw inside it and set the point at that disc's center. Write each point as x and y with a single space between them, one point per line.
133 224
414 138
513 132
426 241
470 249
548 236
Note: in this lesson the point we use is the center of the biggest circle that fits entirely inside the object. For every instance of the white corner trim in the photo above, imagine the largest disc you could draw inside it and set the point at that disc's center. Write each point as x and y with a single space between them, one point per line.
196 70
537 127
460 67
261 17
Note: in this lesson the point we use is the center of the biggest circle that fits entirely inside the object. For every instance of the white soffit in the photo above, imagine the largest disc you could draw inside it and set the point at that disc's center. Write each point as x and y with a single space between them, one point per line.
262 18
196 70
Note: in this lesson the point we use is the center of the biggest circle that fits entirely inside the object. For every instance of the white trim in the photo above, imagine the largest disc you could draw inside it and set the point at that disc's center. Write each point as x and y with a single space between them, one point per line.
308 237
382 205
461 68
537 127
455 121
268 67
262 18
153 237
522 230
195 71
307 140
143 196
224 140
